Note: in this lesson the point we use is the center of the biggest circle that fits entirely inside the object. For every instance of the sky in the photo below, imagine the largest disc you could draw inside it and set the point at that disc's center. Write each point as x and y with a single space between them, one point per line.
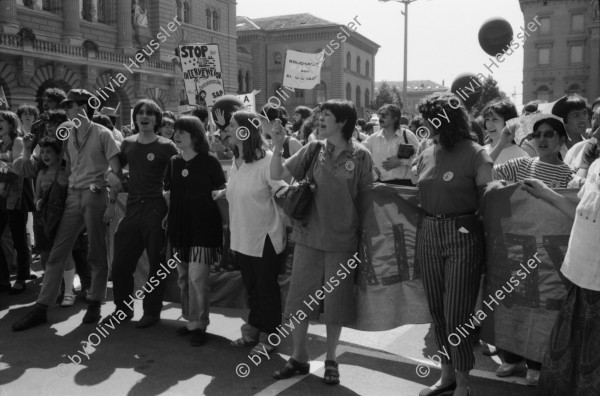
442 35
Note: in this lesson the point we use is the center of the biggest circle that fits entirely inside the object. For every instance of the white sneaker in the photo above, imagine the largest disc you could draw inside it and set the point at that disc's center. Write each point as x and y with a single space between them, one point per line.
68 300
533 376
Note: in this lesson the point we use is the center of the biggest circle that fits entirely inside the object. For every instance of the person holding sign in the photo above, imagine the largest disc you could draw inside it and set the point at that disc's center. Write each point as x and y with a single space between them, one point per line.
452 175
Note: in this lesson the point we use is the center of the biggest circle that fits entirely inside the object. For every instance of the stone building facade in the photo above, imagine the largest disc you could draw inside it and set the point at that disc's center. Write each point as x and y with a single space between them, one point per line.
348 70
93 44
563 55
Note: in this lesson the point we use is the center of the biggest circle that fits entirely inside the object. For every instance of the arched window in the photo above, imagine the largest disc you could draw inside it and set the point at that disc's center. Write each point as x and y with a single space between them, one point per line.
574 88
348 92
100 10
277 60
215 20
47 5
208 19
240 82
186 12
543 93
247 81
348 61
179 10
358 64
358 97
321 92
367 69
367 97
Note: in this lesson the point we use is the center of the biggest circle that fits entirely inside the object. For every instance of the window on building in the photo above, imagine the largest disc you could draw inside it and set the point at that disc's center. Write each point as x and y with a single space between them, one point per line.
576 53
577 23
240 82
276 87
208 19
544 25
321 92
299 93
277 60
358 64
47 5
248 81
367 98
348 91
367 69
186 12
348 61
574 88
543 56
543 93
215 21
358 97
179 10
101 11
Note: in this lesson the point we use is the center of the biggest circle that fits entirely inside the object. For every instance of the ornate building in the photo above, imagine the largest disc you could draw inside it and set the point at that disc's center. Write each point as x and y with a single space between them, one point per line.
563 55
348 70
121 50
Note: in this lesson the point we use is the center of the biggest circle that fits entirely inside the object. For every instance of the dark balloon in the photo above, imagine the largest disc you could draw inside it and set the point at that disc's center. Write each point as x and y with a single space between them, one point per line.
495 36
464 85
228 104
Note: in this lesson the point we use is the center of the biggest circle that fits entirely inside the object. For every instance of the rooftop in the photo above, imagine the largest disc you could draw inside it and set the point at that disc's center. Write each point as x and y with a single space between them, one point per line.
281 22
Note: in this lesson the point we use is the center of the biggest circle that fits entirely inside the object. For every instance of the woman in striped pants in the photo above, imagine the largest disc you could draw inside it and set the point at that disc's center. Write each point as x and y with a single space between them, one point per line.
452 175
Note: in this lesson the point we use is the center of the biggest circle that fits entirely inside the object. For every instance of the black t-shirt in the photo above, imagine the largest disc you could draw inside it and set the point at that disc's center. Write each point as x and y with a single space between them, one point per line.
194 217
591 152
147 166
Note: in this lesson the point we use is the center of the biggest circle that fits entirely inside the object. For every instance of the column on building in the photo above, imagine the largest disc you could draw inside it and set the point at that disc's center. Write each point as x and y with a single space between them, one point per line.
71 17
124 28
8 16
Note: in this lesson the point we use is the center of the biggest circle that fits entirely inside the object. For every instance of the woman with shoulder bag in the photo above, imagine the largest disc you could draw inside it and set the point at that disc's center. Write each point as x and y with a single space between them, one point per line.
328 236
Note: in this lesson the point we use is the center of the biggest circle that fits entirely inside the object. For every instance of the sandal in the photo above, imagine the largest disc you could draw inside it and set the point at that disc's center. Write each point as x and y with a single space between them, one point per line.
261 348
243 342
296 368
332 374
68 300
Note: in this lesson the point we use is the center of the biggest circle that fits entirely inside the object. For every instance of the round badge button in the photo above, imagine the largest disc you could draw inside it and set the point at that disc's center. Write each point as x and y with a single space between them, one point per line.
448 176
349 165
185 172
150 157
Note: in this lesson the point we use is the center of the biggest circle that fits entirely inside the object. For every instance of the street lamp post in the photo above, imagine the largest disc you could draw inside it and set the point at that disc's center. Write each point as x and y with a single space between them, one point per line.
405 13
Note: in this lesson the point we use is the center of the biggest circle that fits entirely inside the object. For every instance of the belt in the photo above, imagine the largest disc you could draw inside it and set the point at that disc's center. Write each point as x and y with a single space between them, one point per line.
447 216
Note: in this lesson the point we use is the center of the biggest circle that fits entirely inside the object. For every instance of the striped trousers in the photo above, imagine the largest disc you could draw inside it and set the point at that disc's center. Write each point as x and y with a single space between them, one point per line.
451 262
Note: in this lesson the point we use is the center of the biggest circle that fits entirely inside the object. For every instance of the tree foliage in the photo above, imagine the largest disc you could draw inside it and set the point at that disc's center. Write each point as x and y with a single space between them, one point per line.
387 94
490 92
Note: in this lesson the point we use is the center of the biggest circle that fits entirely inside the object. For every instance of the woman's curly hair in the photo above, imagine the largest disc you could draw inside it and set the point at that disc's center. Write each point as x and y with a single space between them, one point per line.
456 127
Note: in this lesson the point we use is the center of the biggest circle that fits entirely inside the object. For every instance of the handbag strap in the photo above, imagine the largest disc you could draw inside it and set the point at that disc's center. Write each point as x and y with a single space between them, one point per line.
404 134
313 155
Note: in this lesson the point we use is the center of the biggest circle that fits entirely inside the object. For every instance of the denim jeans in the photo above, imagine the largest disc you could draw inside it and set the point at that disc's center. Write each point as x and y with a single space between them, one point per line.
83 208
195 292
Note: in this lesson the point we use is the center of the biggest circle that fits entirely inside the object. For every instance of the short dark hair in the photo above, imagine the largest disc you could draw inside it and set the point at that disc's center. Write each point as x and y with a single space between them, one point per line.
343 111
56 117
304 111
55 94
308 126
153 107
13 120
169 114
103 120
193 126
403 120
361 123
275 113
369 128
201 112
28 109
52 142
558 126
504 108
531 107
255 141
595 103
457 127
572 102
417 122
395 112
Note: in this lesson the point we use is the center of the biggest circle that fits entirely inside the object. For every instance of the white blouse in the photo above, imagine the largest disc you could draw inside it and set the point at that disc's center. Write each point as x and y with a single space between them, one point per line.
582 261
252 211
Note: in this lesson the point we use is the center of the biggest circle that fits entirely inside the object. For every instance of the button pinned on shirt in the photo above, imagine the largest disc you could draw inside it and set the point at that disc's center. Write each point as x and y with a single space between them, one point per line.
349 165
448 176
150 156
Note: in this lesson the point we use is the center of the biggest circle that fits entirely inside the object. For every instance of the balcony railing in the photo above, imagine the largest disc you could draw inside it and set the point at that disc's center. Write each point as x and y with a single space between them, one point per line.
12 41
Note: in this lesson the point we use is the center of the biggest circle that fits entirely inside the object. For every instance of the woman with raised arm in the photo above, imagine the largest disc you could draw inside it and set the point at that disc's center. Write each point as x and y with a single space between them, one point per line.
342 170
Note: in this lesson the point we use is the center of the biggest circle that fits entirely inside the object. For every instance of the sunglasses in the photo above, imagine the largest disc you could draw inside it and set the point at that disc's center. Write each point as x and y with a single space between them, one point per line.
545 134
382 115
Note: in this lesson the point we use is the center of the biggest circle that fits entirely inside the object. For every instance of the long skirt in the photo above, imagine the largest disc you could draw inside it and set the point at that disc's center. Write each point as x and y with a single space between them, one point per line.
572 362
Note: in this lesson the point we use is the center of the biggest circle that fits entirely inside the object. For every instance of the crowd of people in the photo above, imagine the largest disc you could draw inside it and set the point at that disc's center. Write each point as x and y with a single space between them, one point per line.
169 167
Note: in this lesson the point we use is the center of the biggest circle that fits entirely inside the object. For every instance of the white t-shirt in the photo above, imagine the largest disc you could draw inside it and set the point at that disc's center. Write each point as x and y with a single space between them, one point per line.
252 211
582 261
508 153
574 154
